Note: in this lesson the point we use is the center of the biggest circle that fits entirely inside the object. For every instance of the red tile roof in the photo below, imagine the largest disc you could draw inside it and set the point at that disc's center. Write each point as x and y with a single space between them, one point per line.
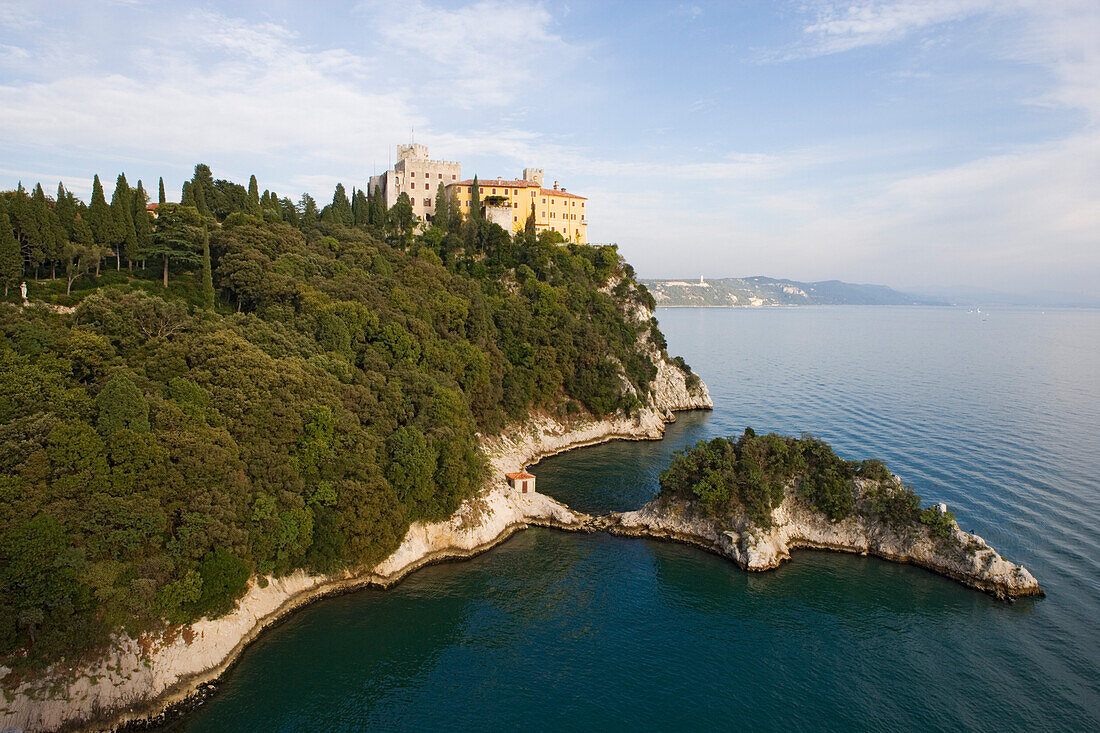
499 182
152 207
519 475
561 192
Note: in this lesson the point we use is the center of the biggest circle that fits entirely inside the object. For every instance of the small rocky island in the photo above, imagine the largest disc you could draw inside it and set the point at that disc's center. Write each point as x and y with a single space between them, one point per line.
755 498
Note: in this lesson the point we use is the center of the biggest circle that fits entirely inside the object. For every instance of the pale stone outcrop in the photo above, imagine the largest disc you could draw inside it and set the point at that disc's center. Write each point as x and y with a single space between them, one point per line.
964 557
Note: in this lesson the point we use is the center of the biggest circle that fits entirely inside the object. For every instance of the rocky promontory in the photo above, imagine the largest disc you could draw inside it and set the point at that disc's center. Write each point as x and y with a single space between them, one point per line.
795 523
138 678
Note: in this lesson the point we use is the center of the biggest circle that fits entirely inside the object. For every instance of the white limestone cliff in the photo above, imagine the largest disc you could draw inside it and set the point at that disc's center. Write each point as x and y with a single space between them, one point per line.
964 557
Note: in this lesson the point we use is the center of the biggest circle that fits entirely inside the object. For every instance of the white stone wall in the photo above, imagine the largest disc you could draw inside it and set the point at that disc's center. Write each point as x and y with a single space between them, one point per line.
500 215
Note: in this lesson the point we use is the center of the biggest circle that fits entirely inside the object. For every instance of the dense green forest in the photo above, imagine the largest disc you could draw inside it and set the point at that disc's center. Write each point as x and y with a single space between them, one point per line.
749 474
243 384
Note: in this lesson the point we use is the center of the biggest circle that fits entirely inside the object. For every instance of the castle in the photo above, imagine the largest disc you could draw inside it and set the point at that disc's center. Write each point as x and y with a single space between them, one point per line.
506 202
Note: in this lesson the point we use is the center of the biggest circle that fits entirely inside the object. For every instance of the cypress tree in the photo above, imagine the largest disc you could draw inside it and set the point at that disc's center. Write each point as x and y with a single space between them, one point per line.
162 199
377 209
360 207
199 195
287 210
143 224
207 275
51 235
122 211
99 218
22 223
402 218
529 226
309 213
187 196
253 197
341 207
475 201
442 217
203 185
11 260
65 208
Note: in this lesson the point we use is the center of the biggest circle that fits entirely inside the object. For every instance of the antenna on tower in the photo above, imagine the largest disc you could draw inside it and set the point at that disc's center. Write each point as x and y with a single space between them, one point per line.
412 134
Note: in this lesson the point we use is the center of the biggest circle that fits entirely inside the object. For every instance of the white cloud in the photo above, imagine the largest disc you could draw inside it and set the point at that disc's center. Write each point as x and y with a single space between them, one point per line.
202 85
240 94
1062 37
252 92
838 27
490 52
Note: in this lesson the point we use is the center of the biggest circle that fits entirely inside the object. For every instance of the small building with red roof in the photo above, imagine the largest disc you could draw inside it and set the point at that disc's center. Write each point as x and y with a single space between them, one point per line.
521 480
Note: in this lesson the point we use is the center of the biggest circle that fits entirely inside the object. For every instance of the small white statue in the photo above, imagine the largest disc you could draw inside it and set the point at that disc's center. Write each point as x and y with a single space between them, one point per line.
23 290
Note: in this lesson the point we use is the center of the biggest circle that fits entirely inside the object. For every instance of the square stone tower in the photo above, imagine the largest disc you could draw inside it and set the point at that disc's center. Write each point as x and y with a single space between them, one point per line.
533 174
418 176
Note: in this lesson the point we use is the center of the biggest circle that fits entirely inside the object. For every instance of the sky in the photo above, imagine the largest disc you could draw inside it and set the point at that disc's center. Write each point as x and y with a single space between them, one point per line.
913 143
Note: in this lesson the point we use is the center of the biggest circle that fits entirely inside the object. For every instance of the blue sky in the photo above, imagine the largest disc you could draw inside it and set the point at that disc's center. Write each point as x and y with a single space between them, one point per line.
910 143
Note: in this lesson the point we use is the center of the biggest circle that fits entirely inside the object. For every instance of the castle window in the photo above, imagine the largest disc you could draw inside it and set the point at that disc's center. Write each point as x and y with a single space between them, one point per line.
494 190
454 177
427 202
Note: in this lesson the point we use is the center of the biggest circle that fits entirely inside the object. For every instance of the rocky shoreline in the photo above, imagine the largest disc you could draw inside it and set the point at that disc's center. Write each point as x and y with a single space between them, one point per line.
961 556
139 679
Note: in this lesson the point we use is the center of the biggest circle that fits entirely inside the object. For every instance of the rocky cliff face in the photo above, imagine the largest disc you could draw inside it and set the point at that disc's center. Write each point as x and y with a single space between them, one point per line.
670 390
544 435
961 556
141 677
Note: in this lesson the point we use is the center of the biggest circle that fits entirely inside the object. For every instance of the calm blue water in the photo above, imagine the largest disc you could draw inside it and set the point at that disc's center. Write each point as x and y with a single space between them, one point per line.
998 417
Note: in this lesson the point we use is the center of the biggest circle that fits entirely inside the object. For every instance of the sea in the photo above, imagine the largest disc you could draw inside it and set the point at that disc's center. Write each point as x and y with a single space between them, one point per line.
995 412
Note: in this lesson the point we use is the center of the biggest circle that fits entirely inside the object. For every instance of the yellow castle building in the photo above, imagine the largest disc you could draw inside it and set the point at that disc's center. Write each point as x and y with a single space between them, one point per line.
509 202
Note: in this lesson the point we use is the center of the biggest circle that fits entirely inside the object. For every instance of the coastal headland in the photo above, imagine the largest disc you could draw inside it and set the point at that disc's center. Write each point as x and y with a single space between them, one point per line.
140 679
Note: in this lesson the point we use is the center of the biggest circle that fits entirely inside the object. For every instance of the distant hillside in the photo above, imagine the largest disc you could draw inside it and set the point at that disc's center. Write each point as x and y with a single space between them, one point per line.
985 297
767 291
